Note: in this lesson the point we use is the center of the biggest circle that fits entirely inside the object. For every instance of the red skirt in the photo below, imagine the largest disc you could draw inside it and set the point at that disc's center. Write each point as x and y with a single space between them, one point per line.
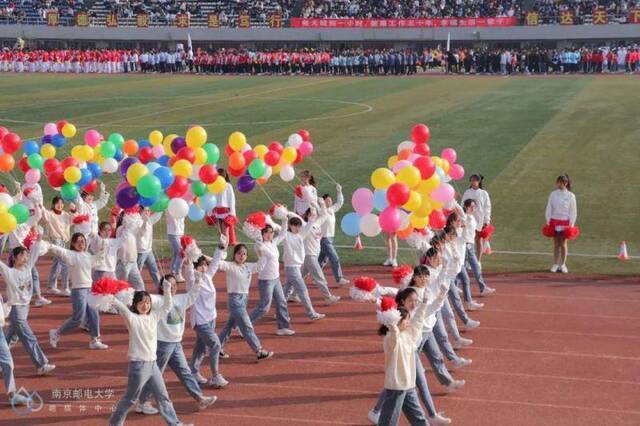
557 226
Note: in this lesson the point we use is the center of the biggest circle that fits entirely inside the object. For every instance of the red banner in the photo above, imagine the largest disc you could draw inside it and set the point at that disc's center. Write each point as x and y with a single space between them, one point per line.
53 18
402 23
600 16
634 16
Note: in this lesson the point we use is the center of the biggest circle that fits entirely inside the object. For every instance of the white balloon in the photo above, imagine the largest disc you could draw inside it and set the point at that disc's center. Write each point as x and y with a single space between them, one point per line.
287 173
178 208
406 145
404 217
295 140
369 225
110 165
268 173
195 173
6 199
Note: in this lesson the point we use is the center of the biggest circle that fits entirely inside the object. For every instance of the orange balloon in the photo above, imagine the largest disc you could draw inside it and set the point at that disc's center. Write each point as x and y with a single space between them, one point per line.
403 234
404 154
7 163
130 147
262 181
236 161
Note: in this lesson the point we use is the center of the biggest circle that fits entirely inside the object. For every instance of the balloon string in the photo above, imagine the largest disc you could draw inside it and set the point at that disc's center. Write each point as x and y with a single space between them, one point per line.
267 195
322 170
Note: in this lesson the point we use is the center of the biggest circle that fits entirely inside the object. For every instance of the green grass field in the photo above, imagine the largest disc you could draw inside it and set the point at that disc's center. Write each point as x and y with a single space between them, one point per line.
519 132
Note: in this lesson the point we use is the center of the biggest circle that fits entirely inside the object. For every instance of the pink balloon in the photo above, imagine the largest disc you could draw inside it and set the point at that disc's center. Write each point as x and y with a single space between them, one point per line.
157 151
401 165
32 176
362 201
443 193
92 138
390 220
50 129
449 154
188 196
456 172
306 148
413 157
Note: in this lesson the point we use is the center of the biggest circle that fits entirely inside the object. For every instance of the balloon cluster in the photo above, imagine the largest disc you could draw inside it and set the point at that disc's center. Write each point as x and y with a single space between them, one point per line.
258 164
409 194
12 214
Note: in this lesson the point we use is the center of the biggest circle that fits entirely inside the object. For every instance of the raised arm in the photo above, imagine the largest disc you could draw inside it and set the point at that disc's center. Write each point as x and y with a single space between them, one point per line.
66 255
339 200
104 198
122 309
167 300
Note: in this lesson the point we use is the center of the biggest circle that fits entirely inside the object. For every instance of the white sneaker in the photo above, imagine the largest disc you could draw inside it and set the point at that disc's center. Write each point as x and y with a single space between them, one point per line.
84 327
285 332
387 262
45 369
217 382
13 343
461 343
474 306
439 420
179 277
66 293
455 385
146 409
206 402
316 316
53 338
394 263
487 291
471 324
97 344
554 268
200 378
461 362
294 298
332 299
41 301
564 269
55 291
373 417
343 282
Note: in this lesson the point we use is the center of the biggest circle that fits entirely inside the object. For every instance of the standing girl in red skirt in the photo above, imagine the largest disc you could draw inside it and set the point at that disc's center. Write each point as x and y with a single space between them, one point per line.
561 215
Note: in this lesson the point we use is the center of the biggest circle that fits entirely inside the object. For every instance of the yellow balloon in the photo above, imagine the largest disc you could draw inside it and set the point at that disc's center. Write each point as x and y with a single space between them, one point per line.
182 168
135 172
392 161
276 169
289 155
425 207
217 186
410 176
68 130
261 150
72 174
237 141
436 204
75 152
196 137
166 143
48 151
382 178
155 137
427 185
445 166
8 223
418 222
3 208
415 200
201 156
87 153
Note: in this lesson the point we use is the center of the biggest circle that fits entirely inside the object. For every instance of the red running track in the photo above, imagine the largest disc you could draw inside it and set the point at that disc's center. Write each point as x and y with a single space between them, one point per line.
552 349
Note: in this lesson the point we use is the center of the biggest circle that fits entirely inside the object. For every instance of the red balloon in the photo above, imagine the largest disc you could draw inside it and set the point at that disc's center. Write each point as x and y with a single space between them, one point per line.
146 154
299 157
3 131
305 134
272 158
236 172
437 219
60 124
69 162
228 150
172 161
56 178
422 149
276 146
208 173
186 153
23 164
91 186
249 156
179 186
426 166
420 133
11 143
398 194
51 165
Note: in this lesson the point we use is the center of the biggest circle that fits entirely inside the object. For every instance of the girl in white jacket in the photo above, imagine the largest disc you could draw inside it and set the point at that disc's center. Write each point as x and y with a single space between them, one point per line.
106 249
86 220
225 210
561 215
482 211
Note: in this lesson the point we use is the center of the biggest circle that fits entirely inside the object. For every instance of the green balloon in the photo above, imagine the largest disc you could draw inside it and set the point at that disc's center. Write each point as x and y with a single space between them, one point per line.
198 188
107 149
35 161
149 186
69 191
117 139
161 203
20 212
257 168
213 153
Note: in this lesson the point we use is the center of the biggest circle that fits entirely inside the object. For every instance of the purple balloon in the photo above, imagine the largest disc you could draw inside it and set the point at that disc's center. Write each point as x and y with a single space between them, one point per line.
127 197
126 163
246 184
177 144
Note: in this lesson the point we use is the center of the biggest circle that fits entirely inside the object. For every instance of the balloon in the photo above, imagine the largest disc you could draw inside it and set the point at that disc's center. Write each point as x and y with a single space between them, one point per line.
198 188
418 222
391 162
422 149
306 148
380 200
178 208
92 138
404 154
50 129
200 156
186 153
456 172
287 173
20 212
155 137
437 220
11 143
7 223
177 144
69 191
213 153
107 149
420 133
208 173
91 186
449 154
382 178
85 177
272 158
48 151
58 140
390 220
443 193
362 201
149 186
428 185
117 139
195 213
401 164
178 188
182 168
425 208
161 203
56 178
406 145
6 199
145 154
218 185
31 147
426 166
261 150
32 176
7 163
257 168
109 165
135 172
127 197
410 176
119 155
236 161
350 224
24 165
237 141
68 130
130 147
166 144
246 184
398 194
276 146
60 124
289 155
295 140
153 166
305 135
35 161
414 202
370 225
196 137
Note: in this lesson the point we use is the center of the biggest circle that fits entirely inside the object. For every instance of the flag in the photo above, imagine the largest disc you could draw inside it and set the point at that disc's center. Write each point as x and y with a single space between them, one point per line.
448 41
189 45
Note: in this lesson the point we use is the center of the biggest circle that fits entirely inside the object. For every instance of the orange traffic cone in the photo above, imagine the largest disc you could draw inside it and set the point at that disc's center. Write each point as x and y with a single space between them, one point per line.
358 246
622 252
487 248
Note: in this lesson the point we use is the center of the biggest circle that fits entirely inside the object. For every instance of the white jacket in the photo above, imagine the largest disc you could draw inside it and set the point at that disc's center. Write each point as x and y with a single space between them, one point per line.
482 212
90 209
18 281
562 206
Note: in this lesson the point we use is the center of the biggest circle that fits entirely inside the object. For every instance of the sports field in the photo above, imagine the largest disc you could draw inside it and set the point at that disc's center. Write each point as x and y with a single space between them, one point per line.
520 133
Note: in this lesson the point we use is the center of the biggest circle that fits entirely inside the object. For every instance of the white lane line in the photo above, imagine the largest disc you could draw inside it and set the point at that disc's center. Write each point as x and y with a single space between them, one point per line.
565 314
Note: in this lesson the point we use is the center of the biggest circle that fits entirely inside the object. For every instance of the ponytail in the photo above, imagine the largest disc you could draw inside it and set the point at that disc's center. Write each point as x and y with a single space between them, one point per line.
566 180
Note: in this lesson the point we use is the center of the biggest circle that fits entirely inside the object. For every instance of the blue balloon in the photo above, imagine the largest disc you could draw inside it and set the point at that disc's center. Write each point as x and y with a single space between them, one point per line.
119 155
350 224
143 143
380 200
31 147
165 175
95 169
85 178
440 173
163 160
195 213
147 202
208 201
58 140
153 166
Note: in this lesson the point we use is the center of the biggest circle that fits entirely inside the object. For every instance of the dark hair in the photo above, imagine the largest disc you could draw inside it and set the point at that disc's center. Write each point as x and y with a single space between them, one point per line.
307 173
138 296
467 203
431 253
102 225
162 280
267 228
437 238
74 239
477 177
18 251
404 313
55 200
237 248
325 196
201 260
294 221
222 172
419 270
306 214
564 179
452 218
84 194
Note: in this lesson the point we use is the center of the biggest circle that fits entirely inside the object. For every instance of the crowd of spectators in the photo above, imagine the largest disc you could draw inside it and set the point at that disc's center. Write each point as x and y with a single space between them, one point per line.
582 10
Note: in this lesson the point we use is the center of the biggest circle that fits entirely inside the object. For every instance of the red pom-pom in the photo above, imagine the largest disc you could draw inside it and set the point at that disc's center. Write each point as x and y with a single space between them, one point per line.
211 220
487 232
549 231
80 219
387 303
107 285
571 232
115 210
400 272
31 238
367 284
257 219
27 191
231 220
298 191
185 240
